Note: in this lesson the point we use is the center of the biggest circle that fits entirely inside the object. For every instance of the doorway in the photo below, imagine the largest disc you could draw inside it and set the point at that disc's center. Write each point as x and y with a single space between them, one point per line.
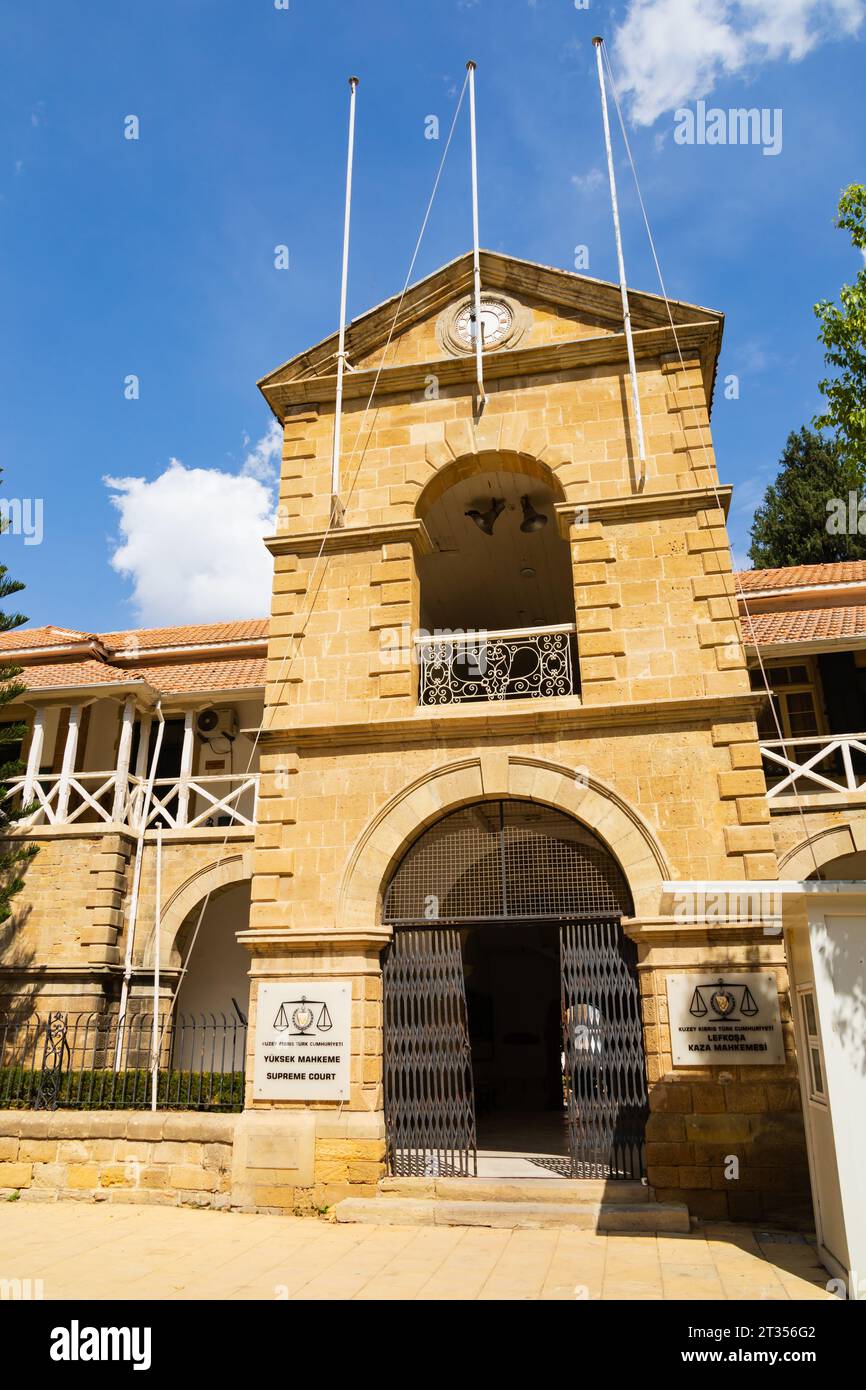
512 1020
514 1016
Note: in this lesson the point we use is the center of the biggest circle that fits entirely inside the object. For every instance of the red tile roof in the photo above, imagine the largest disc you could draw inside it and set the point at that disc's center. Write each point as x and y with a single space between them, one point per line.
23 638
213 673
802 576
59 675
182 678
252 630
804 625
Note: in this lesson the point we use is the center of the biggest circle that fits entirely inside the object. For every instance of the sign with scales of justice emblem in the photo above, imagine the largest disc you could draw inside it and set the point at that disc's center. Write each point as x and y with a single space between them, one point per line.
725 1019
302 1041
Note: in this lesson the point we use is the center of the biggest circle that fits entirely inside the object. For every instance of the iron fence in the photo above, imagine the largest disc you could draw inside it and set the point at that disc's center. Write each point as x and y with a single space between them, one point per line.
94 1061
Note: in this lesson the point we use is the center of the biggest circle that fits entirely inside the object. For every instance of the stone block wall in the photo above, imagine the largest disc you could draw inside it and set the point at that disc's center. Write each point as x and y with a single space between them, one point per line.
64 945
728 1141
68 916
161 1159
294 1164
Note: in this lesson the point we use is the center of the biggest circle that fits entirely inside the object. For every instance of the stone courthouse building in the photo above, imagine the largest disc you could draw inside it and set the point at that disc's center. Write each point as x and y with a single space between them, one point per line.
517 784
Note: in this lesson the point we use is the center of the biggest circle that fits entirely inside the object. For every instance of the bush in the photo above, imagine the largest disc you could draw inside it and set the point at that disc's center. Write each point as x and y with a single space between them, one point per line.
106 1089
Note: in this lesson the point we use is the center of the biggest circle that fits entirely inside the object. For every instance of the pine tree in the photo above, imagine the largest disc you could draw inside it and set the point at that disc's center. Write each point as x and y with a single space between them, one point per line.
14 855
812 513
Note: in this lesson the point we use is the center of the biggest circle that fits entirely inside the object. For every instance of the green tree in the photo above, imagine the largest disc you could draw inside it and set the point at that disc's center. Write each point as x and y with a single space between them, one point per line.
843 333
14 855
809 515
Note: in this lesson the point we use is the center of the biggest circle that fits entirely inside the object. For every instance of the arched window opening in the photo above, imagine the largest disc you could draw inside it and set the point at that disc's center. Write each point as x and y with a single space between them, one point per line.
512 860
500 573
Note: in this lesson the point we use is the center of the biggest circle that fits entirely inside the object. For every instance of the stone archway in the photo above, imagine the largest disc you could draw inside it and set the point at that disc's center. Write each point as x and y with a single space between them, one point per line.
513 1028
211 879
811 858
497 774
480 461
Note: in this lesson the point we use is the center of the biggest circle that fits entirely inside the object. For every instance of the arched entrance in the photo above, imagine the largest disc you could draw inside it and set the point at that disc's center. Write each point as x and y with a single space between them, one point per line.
511 997
216 981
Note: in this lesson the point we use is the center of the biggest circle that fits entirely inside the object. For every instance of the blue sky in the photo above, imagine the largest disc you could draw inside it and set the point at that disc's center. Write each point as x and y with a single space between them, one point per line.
155 257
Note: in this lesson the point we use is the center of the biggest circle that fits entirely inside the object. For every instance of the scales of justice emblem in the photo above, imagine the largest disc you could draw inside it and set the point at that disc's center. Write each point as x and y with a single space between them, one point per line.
300 1015
723 1001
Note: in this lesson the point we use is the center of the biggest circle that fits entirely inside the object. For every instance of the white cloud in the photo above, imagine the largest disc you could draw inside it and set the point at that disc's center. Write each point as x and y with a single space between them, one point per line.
667 52
191 540
586 183
263 460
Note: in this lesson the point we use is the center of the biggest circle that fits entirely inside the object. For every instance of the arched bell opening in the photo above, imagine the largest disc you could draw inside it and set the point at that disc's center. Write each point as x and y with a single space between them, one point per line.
512 1010
499 571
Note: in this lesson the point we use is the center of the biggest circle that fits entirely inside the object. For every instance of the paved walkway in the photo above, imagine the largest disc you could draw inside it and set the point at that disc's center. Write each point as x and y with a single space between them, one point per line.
80 1251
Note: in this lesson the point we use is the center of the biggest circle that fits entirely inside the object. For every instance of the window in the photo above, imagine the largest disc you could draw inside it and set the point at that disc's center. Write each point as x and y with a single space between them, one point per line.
809 1017
10 746
795 698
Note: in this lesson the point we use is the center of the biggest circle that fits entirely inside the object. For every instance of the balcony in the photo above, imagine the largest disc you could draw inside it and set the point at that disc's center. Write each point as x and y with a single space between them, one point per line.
109 798
829 768
533 663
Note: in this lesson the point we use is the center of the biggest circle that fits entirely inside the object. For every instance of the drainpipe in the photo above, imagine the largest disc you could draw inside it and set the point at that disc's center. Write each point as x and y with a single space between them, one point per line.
136 883
156 1038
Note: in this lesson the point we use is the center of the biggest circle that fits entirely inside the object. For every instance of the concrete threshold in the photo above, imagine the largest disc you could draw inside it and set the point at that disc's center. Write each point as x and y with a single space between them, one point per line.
636 1217
564 1191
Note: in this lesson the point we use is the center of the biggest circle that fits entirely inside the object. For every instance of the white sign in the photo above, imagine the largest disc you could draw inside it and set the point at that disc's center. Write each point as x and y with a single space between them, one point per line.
303 1041
720 1019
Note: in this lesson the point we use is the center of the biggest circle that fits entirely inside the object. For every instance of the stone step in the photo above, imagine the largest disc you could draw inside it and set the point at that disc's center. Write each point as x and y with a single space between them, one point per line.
565 1191
637 1217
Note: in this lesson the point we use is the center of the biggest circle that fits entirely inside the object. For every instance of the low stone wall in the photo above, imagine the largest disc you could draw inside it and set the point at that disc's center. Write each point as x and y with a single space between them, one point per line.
256 1161
165 1159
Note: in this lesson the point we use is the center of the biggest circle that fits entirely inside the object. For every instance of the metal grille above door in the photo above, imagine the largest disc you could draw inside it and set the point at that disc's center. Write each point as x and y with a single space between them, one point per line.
605 1075
429 1104
507 861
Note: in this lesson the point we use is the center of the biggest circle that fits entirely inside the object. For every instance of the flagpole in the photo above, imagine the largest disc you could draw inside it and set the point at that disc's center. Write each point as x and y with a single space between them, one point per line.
622 281
476 254
336 504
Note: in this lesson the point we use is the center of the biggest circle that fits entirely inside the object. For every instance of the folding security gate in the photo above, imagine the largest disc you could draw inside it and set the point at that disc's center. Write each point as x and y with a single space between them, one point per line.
429 1105
605 1075
510 861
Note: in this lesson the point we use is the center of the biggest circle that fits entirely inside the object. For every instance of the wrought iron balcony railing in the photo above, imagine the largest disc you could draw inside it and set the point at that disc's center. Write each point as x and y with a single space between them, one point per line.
177 803
512 664
830 765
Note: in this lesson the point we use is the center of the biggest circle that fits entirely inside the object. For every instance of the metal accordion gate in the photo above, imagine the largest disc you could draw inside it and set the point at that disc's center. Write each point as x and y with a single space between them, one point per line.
603 1053
429 1102
499 862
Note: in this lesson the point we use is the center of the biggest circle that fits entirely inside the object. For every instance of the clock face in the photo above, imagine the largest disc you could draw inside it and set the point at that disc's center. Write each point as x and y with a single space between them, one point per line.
496 320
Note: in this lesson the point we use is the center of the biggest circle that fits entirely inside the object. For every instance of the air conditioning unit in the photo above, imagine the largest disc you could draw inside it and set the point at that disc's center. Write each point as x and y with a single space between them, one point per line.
216 723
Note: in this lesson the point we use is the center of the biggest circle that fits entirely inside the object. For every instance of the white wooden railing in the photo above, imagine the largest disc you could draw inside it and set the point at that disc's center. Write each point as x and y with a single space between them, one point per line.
835 763
178 803
59 800
190 803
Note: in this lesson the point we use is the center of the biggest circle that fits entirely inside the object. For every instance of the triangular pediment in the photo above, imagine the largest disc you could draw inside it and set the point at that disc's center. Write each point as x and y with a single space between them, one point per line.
549 305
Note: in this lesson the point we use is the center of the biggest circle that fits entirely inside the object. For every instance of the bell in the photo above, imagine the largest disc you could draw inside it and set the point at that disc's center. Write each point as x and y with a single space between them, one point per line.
532 520
485 520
